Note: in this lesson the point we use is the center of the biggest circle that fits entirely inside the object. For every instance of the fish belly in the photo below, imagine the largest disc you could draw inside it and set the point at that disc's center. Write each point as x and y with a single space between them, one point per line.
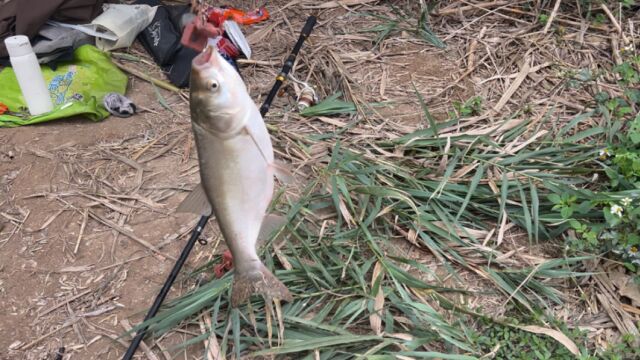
239 184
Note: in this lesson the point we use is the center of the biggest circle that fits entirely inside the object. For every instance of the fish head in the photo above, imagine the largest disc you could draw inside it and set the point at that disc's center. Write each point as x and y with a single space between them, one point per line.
218 96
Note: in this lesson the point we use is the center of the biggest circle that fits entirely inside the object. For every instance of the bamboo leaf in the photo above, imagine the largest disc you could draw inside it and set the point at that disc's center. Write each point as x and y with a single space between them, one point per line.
313 344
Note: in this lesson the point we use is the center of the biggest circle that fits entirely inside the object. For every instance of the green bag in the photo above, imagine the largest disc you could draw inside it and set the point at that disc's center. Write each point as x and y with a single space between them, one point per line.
76 87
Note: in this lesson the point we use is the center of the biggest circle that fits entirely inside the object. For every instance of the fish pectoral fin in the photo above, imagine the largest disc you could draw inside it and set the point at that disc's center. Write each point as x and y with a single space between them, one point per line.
282 172
196 202
260 145
270 223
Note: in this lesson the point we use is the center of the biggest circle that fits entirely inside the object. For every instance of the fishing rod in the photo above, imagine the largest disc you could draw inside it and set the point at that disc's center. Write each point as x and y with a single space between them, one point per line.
280 78
195 235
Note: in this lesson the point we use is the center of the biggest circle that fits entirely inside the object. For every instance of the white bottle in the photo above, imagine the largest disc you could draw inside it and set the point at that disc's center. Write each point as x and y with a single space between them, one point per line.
25 66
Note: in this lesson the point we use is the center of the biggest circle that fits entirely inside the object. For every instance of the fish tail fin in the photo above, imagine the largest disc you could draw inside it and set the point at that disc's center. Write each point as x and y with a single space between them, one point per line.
257 282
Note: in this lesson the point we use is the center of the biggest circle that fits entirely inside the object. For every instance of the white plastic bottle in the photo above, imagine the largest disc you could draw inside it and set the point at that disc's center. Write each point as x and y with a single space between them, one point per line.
27 70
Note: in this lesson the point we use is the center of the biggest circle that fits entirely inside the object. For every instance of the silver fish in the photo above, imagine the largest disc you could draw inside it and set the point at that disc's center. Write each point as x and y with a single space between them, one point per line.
237 170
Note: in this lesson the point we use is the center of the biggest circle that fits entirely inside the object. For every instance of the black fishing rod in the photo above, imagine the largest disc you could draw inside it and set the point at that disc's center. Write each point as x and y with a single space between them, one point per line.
280 78
195 235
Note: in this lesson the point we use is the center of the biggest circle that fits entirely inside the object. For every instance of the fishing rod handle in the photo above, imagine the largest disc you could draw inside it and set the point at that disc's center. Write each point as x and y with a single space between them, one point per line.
272 94
304 34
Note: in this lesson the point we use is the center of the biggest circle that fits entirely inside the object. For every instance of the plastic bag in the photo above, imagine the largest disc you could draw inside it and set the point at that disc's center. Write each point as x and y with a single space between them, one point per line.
123 21
76 88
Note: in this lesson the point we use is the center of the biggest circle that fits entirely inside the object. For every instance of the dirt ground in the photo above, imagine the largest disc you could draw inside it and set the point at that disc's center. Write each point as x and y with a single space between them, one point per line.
83 203
78 198
66 277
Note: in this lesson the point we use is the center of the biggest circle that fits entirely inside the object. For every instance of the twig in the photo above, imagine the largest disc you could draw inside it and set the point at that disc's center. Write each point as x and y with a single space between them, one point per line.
257 62
560 20
526 68
31 344
531 274
127 326
335 4
472 49
130 235
75 297
165 149
51 218
84 224
163 84
615 23
122 262
462 9
552 16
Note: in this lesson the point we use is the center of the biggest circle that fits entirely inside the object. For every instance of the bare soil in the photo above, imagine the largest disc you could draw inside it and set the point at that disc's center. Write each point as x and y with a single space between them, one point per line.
66 183
82 203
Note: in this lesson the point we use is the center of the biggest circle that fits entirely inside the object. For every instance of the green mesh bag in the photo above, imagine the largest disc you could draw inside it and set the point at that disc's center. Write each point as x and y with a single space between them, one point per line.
76 88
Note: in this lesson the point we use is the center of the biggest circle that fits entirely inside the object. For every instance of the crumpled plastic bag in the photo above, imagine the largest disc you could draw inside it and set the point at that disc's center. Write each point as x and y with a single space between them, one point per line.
117 27
77 88
123 21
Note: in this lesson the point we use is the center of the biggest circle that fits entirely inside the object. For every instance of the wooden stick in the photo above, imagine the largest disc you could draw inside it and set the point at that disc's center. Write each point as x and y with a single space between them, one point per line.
163 84
526 68
560 20
615 23
47 335
129 234
553 16
471 58
445 12
65 302
84 223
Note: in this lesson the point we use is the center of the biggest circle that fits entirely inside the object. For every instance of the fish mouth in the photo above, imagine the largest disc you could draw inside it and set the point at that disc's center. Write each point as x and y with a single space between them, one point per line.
207 57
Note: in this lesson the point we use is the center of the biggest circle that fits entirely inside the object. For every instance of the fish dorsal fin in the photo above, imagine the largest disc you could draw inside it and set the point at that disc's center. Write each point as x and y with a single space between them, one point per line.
196 202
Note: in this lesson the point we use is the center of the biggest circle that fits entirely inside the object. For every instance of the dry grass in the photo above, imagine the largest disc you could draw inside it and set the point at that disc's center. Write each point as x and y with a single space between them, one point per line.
496 50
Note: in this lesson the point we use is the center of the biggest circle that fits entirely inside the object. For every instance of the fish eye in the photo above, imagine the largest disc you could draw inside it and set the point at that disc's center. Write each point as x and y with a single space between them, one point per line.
213 85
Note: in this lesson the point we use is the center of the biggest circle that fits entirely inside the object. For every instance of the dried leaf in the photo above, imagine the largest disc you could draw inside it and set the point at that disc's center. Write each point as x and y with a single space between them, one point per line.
76 268
632 291
557 335
375 319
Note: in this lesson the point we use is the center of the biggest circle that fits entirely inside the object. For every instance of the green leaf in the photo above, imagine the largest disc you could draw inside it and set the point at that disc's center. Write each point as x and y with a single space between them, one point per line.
535 210
612 219
319 343
575 224
235 324
566 212
330 106
433 126
472 188
554 198
585 134
435 355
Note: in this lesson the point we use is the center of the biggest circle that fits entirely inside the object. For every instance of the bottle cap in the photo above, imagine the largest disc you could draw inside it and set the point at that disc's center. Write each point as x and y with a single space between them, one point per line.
18 45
